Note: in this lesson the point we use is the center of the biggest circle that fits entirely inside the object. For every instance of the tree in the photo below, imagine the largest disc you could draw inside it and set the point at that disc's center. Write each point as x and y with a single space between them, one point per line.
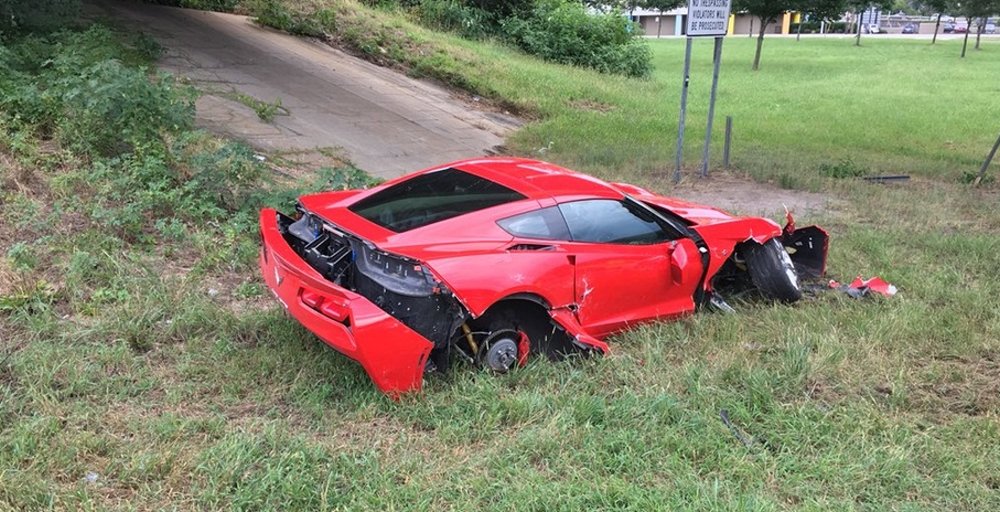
860 6
661 6
973 9
819 10
988 8
768 11
979 31
934 7
502 8
23 16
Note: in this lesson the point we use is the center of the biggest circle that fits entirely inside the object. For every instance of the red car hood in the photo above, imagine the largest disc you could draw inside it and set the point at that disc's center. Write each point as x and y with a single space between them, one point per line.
699 214
710 222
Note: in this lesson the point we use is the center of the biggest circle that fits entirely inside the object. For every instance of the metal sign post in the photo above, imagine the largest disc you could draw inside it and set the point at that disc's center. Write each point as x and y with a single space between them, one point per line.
684 102
717 60
704 18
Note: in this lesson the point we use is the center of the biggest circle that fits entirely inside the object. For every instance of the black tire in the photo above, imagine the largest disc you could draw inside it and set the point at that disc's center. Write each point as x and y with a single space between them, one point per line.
772 271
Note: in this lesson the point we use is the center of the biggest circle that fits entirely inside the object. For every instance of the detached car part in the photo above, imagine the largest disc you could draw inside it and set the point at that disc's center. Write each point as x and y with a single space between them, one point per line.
493 260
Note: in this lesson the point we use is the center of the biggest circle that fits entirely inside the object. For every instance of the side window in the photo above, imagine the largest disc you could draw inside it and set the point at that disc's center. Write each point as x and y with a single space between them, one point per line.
546 224
610 221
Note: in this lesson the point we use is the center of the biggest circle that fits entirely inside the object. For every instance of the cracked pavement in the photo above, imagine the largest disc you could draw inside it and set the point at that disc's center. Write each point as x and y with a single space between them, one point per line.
384 122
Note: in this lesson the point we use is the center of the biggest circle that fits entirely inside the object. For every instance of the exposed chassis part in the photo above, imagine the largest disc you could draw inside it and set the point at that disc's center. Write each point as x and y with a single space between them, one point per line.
403 288
806 248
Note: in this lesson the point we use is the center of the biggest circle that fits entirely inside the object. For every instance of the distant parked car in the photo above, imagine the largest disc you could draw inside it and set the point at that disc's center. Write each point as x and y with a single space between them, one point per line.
872 28
991 28
961 28
948 27
910 28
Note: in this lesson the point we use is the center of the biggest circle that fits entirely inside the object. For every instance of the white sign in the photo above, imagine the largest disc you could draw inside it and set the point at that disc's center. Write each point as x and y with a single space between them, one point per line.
872 16
708 17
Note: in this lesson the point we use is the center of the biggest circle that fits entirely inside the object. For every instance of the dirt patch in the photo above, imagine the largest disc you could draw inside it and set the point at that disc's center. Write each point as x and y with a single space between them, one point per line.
960 385
744 196
821 391
9 280
590 105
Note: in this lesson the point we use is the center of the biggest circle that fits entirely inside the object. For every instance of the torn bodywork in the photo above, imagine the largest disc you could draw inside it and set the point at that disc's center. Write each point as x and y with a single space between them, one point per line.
493 260
861 287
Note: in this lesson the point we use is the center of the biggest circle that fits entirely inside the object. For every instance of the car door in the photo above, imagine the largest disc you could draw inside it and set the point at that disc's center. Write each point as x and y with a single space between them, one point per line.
629 266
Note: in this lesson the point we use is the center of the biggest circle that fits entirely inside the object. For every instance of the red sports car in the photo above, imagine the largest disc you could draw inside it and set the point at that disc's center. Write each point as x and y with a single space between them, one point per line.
494 260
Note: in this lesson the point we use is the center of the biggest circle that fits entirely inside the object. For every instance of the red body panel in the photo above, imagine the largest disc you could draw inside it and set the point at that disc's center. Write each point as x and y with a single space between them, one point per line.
485 278
620 286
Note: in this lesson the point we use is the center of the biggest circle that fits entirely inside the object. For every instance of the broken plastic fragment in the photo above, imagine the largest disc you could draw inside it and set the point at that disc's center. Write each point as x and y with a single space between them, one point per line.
861 287
720 304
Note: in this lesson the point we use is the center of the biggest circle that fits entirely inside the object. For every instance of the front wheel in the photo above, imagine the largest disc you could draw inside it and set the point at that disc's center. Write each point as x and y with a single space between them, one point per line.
772 271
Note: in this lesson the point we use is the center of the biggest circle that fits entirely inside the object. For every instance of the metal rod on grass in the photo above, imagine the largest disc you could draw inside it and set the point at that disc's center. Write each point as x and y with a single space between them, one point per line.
986 164
717 60
680 124
729 139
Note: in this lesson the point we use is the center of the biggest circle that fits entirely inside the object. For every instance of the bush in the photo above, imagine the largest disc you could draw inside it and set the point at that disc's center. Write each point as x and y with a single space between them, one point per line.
839 27
145 162
843 169
206 5
503 8
808 27
812 27
109 108
197 180
563 31
70 86
454 16
274 13
211 5
39 16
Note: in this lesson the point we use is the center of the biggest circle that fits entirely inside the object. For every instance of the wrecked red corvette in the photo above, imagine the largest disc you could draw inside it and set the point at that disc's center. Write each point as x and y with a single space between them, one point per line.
495 259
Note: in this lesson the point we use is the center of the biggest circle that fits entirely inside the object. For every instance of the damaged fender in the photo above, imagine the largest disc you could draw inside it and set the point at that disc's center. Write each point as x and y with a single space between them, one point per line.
567 320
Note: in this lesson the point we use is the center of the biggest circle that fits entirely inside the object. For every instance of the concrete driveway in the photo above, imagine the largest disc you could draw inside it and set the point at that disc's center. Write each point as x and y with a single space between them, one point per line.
384 122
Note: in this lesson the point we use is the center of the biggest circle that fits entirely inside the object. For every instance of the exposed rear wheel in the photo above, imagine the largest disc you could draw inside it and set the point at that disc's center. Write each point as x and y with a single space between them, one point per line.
772 271
511 324
501 350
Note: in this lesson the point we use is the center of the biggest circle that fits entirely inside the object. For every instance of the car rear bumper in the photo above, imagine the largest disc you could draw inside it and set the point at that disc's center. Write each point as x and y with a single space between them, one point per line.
392 354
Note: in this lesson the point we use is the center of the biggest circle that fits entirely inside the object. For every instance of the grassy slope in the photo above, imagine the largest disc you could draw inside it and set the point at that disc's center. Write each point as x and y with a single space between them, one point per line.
178 398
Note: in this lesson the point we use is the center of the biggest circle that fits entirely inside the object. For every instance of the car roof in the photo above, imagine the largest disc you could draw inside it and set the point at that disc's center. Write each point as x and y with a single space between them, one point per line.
536 179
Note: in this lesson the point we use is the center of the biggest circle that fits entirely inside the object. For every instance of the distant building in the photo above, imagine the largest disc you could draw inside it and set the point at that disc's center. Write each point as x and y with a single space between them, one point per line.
670 23
674 22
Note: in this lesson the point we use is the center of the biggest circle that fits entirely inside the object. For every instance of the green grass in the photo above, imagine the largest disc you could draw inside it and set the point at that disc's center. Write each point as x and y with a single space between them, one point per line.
148 353
893 106
265 110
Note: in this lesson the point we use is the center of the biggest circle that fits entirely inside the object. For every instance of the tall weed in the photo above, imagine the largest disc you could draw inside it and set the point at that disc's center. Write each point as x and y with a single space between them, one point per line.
563 31
73 86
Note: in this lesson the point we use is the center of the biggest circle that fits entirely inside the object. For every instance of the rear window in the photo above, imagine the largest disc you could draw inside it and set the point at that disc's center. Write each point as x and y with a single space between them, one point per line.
431 198
545 224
